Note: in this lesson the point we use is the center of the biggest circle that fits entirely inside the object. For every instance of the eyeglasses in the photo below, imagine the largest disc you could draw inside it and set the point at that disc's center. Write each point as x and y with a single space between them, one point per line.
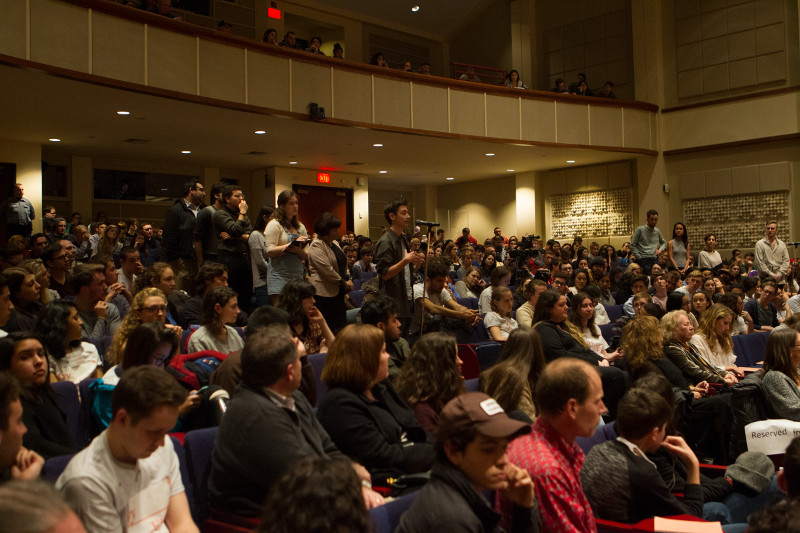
155 308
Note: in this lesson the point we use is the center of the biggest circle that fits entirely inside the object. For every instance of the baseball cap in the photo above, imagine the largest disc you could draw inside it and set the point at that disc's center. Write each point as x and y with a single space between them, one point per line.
479 411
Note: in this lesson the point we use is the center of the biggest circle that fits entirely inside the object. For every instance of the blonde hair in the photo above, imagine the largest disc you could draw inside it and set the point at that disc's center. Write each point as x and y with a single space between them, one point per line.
706 328
642 341
132 319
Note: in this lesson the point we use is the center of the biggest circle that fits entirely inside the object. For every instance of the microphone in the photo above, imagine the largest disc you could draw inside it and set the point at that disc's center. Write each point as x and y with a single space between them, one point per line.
426 223
793 243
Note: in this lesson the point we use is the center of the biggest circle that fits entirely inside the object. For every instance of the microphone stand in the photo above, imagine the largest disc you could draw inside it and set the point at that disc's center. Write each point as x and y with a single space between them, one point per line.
428 251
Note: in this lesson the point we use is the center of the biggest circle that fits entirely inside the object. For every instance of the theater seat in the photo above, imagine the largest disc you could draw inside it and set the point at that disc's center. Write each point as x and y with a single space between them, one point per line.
87 400
469 303
366 276
752 346
387 517
614 312
471 385
605 331
468 354
488 354
54 466
185 477
601 434
317 361
357 297
198 445
68 399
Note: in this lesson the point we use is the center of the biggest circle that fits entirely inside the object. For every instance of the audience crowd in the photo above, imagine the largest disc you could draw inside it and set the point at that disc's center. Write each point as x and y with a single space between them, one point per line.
343 355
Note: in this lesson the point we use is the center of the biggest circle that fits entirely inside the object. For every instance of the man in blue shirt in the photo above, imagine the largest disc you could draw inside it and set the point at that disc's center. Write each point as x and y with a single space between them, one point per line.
647 242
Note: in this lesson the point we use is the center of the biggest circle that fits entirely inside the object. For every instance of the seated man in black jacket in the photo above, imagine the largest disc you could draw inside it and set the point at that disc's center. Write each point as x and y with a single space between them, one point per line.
471 458
268 427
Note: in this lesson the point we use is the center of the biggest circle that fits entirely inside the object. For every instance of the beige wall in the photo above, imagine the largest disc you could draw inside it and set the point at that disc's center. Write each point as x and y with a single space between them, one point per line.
481 205
472 45
28 159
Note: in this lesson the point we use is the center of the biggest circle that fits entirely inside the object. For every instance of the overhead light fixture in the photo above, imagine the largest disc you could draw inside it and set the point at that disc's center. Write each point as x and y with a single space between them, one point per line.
382 171
186 151
490 154
377 145
449 179
259 132
570 162
123 112
54 140
510 170
292 162
415 9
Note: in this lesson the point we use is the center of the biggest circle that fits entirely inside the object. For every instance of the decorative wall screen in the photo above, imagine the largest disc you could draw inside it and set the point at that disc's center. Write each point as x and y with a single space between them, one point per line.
736 221
592 214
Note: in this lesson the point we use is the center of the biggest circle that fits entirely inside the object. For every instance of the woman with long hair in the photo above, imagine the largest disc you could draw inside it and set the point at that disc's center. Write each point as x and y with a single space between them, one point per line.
59 329
488 264
713 339
26 296
500 277
579 281
678 248
642 342
220 307
37 268
259 260
363 413
700 304
679 348
498 322
471 285
149 305
430 377
285 238
329 273
23 356
582 314
512 380
781 378
109 243
161 276
306 321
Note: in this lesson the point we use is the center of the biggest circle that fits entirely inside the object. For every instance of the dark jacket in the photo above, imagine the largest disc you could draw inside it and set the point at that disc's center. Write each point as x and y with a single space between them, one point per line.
226 220
449 502
691 364
673 472
389 250
558 343
752 307
47 426
381 434
256 443
179 224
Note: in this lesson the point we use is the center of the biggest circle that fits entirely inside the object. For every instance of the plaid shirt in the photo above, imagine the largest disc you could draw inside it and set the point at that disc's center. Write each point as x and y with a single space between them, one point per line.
554 466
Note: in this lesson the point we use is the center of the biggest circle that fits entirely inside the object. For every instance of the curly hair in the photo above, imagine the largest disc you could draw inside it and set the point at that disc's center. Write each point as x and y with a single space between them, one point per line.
51 327
708 322
330 487
151 276
430 373
642 341
521 361
129 323
291 298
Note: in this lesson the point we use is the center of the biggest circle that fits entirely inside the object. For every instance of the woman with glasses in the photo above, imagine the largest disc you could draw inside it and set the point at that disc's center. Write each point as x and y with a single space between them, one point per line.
149 305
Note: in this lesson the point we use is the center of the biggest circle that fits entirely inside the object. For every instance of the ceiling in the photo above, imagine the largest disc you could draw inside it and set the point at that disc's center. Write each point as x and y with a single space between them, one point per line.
36 107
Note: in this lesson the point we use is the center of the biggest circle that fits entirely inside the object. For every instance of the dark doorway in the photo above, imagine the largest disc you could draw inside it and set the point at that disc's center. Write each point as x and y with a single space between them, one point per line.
316 200
8 178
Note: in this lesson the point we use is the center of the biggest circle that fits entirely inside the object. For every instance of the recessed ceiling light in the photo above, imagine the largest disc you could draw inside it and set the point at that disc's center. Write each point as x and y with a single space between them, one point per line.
292 162
510 170
570 162
382 171
415 9
186 151
259 132
123 112
54 140
449 179
490 154
377 145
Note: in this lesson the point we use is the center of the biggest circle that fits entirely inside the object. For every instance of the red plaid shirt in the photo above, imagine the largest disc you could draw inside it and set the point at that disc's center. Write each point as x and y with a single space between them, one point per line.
554 466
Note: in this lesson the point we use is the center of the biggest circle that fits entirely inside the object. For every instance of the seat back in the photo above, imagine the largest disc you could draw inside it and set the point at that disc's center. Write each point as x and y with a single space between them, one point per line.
614 312
69 401
471 385
488 354
749 405
601 434
188 487
469 303
605 331
471 369
357 284
753 346
357 297
387 517
54 466
366 276
477 333
317 361
199 444
87 400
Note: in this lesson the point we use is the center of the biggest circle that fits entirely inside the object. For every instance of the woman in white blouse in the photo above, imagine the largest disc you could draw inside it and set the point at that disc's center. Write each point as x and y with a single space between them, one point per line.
499 322
713 339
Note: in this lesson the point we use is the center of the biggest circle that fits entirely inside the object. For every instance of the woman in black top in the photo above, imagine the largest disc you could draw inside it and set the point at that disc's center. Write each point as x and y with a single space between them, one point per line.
23 356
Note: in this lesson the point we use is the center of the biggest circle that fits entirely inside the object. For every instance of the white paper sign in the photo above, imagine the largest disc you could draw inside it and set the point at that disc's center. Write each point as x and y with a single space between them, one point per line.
771 436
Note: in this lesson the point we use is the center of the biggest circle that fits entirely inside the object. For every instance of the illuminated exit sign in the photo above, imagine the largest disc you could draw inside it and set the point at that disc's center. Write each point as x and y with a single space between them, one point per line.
323 177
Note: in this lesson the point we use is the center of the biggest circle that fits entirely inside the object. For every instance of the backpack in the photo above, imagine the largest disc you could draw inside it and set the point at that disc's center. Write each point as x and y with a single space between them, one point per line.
193 369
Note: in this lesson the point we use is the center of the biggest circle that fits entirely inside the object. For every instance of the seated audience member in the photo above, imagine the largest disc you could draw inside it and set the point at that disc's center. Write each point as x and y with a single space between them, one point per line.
378 60
16 462
488 264
22 509
437 301
579 281
314 45
381 313
316 483
23 357
59 231
709 258
209 276
364 263
694 280
221 307
700 304
37 268
569 397
471 284
161 276
660 293
130 472
131 266
271 36
561 281
149 305
57 263
471 459
512 380
26 297
498 322
59 329
639 300
526 310
742 321
560 86
561 338
780 376
100 318
638 285
431 377
268 413
608 90
713 339
6 305
678 334
363 413
116 293
501 276
306 321
763 309
618 479
582 315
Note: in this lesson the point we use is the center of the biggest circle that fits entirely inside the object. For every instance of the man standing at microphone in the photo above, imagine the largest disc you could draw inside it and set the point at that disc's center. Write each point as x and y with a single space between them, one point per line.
392 259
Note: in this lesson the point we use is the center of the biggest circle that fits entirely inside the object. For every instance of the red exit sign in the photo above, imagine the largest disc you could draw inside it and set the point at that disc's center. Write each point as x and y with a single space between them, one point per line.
323 177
